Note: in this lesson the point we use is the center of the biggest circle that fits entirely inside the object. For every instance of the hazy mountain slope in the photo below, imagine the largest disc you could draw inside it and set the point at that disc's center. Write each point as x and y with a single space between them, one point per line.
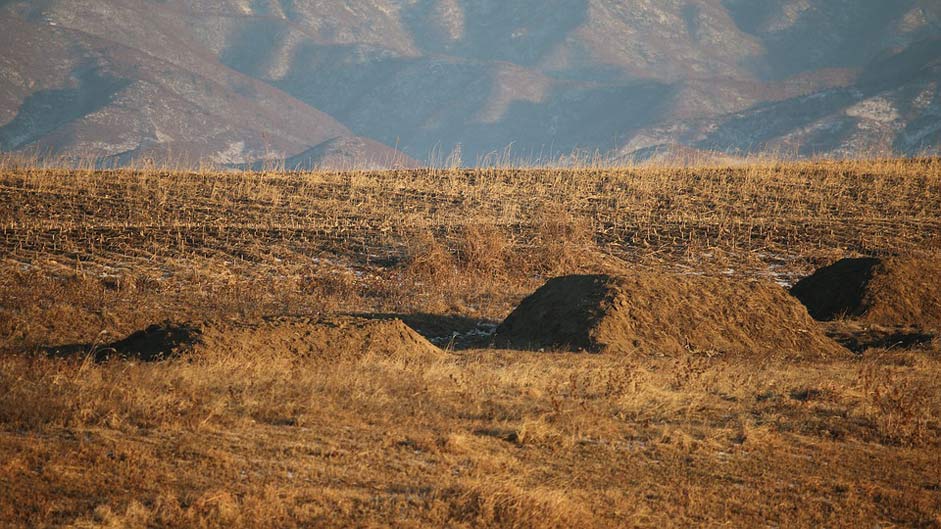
236 81
473 95
74 84
804 35
894 106
349 153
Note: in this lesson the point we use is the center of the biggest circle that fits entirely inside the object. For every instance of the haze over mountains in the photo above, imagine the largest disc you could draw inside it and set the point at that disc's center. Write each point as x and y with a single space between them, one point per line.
383 82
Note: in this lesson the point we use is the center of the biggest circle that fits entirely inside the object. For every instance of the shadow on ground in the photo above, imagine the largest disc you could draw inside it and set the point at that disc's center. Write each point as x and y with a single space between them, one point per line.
859 339
155 343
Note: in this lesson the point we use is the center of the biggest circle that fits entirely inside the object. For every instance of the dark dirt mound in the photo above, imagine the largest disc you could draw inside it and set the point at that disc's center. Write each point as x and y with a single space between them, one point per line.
330 338
661 313
157 342
892 291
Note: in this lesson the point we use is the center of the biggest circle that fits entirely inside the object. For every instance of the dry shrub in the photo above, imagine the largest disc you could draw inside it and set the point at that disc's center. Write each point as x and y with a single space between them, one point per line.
427 259
617 381
484 249
333 288
32 398
135 516
689 369
476 504
603 382
77 393
562 243
508 505
214 508
217 509
539 431
899 406
475 252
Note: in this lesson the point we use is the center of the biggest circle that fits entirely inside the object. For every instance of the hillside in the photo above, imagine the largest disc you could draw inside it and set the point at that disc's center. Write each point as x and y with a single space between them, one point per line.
236 82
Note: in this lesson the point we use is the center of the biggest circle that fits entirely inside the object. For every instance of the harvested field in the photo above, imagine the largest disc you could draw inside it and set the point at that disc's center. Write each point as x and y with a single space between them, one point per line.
892 291
656 313
284 389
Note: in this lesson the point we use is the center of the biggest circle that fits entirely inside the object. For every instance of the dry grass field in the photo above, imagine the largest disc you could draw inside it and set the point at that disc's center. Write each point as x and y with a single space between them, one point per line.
257 435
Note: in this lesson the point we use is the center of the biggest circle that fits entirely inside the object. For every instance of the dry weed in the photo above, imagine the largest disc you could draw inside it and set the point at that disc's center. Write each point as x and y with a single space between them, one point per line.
901 407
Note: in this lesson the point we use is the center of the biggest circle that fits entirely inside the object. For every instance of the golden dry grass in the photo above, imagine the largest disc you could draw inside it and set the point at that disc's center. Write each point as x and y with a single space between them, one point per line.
478 437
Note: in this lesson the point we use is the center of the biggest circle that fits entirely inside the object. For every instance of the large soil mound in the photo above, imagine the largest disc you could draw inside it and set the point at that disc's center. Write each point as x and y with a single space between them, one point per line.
661 313
893 291
334 338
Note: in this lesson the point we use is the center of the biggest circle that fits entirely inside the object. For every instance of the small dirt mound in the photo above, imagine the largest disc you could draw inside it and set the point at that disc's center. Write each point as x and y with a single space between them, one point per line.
332 338
661 313
893 291
156 342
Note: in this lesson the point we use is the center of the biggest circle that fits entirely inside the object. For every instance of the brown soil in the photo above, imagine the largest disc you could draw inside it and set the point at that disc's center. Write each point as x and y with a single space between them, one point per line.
660 313
892 291
340 337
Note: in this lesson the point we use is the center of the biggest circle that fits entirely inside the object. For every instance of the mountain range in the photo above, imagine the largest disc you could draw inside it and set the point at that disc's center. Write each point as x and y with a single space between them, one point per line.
377 83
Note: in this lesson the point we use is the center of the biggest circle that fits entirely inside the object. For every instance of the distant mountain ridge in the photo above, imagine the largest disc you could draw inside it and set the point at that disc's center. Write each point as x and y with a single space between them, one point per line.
372 82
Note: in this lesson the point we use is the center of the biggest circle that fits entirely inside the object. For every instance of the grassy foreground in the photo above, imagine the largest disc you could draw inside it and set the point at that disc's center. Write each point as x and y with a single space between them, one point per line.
478 437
